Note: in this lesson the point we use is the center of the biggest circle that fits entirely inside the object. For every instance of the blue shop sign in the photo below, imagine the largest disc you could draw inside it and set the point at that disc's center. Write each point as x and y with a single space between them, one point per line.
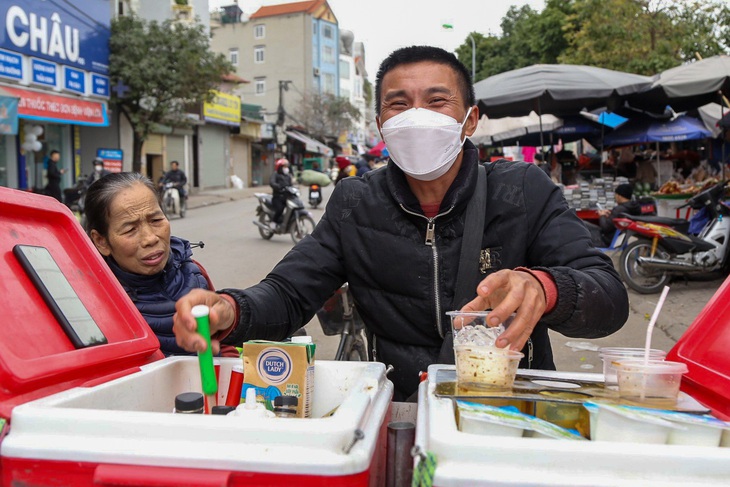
74 80
11 65
99 85
43 73
68 33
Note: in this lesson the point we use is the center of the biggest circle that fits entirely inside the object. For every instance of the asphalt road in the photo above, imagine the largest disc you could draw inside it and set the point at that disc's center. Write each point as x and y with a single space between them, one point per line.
236 256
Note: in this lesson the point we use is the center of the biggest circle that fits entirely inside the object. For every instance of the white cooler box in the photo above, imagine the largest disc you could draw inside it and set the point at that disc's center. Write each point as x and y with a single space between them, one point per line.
468 460
111 429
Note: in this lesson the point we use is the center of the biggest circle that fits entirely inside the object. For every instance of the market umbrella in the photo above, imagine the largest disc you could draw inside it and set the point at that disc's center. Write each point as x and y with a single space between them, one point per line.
558 89
712 115
377 151
687 86
647 130
573 128
492 131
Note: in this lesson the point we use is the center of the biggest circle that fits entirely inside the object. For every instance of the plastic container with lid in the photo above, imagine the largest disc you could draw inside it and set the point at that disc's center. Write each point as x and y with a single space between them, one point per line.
285 406
189 403
612 354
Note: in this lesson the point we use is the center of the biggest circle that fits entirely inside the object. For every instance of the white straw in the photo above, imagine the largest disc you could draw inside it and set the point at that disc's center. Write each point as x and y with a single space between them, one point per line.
650 329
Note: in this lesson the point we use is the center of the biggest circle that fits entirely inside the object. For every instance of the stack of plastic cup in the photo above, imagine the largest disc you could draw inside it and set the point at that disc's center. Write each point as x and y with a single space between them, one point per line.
609 355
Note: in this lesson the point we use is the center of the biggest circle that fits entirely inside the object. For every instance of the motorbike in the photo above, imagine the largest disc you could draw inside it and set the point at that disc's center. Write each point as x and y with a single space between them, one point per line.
338 316
296 221
315 195
658 249
171 201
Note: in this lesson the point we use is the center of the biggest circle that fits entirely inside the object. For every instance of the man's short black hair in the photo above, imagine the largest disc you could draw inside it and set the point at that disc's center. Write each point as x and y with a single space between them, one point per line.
416 54
54 151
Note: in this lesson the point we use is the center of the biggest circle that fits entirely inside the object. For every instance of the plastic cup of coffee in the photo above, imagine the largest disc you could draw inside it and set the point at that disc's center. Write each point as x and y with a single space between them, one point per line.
480 364
654 383
613 354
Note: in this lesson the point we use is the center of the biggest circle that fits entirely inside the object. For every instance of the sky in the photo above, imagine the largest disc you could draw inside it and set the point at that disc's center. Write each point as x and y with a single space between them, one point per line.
385 25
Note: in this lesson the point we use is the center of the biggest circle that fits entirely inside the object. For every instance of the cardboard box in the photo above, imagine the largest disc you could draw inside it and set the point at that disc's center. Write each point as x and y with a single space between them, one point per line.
279 369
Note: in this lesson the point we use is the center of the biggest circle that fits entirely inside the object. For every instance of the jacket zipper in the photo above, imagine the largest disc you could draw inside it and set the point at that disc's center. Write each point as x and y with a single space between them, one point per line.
431 242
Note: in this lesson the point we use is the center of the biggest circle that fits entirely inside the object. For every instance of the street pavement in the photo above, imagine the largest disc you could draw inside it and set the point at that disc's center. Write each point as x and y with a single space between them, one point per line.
207 197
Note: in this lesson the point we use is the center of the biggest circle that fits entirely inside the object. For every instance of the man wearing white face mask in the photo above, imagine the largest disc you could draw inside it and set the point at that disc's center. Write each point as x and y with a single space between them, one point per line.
397 236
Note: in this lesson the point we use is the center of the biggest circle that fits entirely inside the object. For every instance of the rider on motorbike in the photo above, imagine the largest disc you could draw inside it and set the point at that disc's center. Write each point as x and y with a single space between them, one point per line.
279 181
176 176
98 173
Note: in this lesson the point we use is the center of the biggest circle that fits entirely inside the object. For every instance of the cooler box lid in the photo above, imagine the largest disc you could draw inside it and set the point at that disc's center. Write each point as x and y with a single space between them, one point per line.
36 356
704 348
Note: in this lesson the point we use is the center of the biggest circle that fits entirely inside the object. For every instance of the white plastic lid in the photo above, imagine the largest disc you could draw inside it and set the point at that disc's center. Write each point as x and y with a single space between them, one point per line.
301 339
200 310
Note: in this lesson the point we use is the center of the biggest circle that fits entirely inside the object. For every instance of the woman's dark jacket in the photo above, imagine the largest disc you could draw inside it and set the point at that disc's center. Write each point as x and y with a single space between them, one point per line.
155 296
373 235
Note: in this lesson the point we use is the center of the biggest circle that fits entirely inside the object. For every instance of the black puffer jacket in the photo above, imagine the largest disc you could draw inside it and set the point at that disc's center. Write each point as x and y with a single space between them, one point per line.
373 235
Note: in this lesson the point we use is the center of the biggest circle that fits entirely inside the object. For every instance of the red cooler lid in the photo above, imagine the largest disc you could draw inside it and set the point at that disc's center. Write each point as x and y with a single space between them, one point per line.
704 348
36 357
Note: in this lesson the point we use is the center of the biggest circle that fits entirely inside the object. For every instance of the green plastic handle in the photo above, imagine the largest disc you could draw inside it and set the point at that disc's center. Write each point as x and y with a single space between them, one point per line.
205 358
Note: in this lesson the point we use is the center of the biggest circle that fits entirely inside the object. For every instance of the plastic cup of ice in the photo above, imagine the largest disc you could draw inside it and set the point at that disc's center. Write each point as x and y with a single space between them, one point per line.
480 364
655 382
613 354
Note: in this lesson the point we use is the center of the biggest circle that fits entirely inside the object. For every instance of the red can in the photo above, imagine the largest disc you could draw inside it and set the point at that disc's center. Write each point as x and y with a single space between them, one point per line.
233 397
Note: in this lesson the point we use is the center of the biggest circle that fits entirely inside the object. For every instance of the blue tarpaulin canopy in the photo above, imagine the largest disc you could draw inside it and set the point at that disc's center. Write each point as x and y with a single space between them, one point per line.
647 130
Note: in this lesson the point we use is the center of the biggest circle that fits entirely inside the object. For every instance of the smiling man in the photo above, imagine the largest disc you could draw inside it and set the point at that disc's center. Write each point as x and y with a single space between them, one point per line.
396 236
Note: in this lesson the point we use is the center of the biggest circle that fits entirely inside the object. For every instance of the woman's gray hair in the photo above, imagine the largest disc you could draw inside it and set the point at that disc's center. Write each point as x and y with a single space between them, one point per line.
101 193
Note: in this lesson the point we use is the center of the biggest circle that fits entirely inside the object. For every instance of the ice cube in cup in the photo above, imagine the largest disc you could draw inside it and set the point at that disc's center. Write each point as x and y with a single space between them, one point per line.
613 354
653 383
480 364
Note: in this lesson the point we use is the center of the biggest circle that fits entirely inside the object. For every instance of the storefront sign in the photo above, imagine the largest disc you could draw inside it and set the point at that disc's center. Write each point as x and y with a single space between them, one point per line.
43 73
112 159
8 115
224 108
74 80
36 105
70 33
11 65
99 85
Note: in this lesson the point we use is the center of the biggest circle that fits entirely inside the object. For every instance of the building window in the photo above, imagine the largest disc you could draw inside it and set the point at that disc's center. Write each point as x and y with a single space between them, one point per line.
258 54
233 56
260 86
328 86
344 70
328 32
259 31
328 55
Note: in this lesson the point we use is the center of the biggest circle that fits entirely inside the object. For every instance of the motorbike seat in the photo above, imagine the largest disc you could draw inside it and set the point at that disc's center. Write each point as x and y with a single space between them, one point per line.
265 197
678 224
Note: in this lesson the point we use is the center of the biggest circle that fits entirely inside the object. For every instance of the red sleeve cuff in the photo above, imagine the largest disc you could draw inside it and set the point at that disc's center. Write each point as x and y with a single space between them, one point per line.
548 287
221 334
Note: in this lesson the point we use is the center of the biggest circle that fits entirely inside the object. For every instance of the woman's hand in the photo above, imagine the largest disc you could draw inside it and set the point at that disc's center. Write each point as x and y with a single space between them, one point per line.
506 292
221 317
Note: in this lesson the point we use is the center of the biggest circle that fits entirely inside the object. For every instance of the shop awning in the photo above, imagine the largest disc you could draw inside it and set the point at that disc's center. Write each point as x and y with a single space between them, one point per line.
310 145
46 106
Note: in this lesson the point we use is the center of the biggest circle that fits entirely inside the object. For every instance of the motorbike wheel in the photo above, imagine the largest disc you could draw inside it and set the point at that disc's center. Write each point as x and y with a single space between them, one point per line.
314 204
303 227
638 278
183 208
265 220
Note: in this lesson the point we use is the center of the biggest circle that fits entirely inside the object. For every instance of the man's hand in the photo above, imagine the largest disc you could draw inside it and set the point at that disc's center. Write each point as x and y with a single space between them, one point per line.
185 327
507 292
604 212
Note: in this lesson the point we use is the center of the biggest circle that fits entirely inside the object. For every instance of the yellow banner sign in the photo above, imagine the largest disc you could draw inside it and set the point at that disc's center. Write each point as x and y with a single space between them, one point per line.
224 108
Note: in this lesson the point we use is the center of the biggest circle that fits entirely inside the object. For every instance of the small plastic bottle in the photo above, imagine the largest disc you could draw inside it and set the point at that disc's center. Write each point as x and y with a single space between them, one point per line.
251 407
285 406
189 403
222 410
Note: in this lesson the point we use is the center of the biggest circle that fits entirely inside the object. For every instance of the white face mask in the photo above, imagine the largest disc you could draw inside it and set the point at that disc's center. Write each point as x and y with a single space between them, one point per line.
285 170
423 143
98 168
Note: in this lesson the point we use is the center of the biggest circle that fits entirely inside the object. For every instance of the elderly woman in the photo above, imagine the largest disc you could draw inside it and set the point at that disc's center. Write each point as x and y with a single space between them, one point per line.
126 223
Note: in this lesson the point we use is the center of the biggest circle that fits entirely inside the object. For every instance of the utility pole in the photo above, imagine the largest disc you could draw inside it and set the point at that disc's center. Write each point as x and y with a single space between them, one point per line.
281 115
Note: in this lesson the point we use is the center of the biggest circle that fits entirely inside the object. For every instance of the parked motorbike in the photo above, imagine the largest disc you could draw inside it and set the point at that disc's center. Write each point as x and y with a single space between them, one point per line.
171 201
661 249
296 221
315 195
338 316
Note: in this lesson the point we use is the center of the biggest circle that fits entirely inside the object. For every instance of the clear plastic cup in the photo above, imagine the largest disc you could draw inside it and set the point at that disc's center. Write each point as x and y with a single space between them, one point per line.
480 364
613 354
654 383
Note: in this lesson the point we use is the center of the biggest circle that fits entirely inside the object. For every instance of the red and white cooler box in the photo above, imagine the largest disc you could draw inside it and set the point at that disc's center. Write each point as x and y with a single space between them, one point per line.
468 460
102 415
